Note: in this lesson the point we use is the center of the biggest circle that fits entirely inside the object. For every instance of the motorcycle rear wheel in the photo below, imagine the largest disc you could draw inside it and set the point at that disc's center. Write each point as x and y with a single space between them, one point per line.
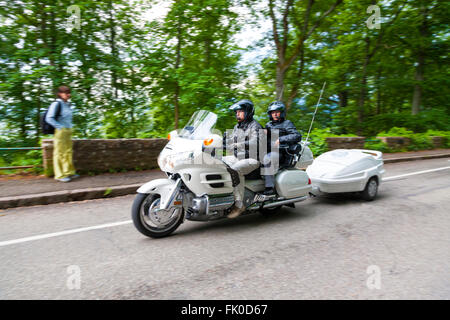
269 211
147 220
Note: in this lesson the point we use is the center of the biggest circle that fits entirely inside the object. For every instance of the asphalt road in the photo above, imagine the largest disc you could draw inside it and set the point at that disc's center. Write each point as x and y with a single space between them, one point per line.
322 249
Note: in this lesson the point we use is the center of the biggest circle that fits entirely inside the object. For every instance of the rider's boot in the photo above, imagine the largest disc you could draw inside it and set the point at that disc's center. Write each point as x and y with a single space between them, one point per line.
266 195
269 191
235 212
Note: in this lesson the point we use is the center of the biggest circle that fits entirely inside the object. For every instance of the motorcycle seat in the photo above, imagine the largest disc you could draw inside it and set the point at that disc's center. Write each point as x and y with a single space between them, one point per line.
254 175
290 156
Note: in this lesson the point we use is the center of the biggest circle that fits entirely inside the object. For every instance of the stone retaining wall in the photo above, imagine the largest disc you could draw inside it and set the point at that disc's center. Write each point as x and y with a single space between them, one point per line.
345 143
103 155
396 142
438 142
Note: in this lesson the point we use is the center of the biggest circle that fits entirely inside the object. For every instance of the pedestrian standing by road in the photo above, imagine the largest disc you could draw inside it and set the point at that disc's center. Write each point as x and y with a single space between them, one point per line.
59 116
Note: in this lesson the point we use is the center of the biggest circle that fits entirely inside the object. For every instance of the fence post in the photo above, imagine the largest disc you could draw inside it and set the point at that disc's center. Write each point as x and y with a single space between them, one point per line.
47 156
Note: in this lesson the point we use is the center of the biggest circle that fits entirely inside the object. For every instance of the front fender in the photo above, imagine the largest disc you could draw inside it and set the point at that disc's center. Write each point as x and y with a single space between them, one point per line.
163 187
156 186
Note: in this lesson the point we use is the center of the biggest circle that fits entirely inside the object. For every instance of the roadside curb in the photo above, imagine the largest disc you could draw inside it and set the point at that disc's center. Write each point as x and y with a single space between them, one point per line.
67 196
117 191
425 157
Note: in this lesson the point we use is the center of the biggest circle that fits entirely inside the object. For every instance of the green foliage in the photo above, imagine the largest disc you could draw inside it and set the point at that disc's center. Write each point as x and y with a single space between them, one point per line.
21 158
132 78
419 141
3 163
377 145
444 134
193 64
396 132
107 192
430 120
318 140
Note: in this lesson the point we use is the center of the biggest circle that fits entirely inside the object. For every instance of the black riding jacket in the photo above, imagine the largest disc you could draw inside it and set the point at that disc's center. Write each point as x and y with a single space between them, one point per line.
287 132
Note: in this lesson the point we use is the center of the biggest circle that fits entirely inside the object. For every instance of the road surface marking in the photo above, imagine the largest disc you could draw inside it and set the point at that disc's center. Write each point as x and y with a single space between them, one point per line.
414 173
63 233
115 224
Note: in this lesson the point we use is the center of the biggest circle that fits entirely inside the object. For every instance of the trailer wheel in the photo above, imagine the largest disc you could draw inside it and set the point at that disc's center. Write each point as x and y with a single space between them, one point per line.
371 189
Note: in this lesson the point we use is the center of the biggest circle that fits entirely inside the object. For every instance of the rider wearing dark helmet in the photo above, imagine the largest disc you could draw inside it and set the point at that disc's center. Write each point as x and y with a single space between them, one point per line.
242 142
284 134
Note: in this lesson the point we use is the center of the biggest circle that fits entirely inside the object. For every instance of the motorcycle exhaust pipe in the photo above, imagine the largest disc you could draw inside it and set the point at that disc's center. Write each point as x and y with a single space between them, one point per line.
283 202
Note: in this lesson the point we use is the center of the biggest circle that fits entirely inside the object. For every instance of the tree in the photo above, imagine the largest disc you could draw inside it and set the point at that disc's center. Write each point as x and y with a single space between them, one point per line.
290 32
191 61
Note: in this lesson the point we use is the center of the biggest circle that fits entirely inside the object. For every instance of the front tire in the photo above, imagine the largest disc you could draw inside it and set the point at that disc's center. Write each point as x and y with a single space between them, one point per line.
149 222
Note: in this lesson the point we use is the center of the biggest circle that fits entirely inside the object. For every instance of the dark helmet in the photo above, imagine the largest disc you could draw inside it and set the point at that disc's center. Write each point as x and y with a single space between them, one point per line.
277 105
246 106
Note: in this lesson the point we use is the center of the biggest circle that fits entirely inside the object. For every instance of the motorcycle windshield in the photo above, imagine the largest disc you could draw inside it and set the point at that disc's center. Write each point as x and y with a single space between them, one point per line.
200 125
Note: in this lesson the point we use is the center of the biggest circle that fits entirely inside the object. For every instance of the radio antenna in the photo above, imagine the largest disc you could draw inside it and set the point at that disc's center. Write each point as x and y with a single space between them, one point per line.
314 116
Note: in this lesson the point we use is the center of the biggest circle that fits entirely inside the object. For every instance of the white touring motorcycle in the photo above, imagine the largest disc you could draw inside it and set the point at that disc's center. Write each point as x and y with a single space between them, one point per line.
199 185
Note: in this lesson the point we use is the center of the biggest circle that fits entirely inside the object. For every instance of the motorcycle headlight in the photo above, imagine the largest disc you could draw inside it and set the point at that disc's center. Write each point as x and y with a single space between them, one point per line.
162 163
169 162
180 158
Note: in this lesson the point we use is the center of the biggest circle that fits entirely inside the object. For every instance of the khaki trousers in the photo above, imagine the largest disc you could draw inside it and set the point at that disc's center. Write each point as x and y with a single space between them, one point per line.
62 153
243 167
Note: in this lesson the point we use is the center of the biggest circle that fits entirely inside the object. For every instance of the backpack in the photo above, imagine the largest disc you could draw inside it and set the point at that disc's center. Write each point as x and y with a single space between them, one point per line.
46 127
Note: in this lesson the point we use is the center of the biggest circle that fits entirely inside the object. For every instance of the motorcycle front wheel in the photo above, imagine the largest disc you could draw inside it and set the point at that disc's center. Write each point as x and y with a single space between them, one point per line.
151 222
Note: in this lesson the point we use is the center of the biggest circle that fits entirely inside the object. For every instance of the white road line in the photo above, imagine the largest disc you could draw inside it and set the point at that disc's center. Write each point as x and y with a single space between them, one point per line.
414 173
62 233
115 224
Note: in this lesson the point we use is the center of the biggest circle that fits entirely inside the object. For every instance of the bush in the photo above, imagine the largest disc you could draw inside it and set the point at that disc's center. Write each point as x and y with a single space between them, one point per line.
318 140
377 145
419 141
426 120
396 132
19 158
445 134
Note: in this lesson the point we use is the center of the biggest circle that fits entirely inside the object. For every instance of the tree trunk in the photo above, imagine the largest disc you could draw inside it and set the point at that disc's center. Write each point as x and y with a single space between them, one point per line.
38 118
281 40
296 86
362 93
112 43
420 68
417 95
45 42
363 89
54 61
378 83
279 82
343 99
207 53
177 85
